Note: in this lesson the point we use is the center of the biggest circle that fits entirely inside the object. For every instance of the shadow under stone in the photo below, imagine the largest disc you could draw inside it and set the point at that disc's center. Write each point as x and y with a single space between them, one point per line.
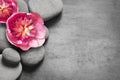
19 76
31 69
9 64
53 21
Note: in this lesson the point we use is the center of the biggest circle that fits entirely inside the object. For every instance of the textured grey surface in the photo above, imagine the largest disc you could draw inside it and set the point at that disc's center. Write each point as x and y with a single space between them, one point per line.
84 43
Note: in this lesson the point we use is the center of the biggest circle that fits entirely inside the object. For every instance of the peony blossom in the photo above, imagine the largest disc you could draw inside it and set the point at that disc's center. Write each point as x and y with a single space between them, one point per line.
7 8
25 30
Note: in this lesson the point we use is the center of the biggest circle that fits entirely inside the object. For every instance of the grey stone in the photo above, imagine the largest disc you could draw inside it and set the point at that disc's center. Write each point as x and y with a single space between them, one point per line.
46 8
47 32
33 56
9 73
22 6
3 40
11 56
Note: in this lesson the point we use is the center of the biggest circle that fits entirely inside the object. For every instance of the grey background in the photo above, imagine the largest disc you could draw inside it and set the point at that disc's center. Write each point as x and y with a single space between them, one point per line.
84 43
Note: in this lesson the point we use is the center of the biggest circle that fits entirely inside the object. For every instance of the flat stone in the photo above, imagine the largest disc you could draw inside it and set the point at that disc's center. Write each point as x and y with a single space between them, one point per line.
3 40
9 73
47 33
46 8
11 56
22 6
33 56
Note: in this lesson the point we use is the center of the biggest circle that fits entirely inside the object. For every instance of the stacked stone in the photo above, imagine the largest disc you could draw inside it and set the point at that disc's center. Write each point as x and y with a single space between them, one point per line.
11 60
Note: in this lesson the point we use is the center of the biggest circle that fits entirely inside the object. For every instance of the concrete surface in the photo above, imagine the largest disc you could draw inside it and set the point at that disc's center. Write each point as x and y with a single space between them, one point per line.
84 43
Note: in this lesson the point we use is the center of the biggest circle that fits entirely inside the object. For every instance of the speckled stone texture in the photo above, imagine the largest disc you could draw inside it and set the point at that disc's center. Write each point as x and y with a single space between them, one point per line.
84 43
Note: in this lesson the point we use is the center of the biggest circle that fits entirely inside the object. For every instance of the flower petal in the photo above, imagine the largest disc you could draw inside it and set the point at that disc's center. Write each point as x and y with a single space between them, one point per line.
25 30
7 8
36 43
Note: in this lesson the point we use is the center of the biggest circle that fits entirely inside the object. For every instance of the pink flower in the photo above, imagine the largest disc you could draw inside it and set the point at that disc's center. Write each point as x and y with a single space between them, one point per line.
7 8
25 30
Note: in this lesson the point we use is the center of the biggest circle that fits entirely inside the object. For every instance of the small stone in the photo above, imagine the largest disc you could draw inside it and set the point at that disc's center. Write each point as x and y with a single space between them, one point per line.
3 40
11 56
46 8
22 5
33 56
47 33
9 73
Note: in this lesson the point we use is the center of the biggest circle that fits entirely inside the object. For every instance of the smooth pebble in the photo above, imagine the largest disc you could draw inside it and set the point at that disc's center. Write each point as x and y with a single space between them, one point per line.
33 56
22 5
3 40
46 8
11 56
9 73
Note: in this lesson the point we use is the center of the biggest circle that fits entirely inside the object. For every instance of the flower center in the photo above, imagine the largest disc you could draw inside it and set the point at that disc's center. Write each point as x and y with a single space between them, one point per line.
4 9
23 28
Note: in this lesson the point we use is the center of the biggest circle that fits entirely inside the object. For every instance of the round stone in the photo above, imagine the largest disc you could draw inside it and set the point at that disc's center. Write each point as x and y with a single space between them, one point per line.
11 56
33 56
22 5
46 8
47 33
9 73
3 40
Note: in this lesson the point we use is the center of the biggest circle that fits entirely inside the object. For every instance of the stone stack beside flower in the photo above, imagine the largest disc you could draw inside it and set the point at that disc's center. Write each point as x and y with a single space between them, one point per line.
24 31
